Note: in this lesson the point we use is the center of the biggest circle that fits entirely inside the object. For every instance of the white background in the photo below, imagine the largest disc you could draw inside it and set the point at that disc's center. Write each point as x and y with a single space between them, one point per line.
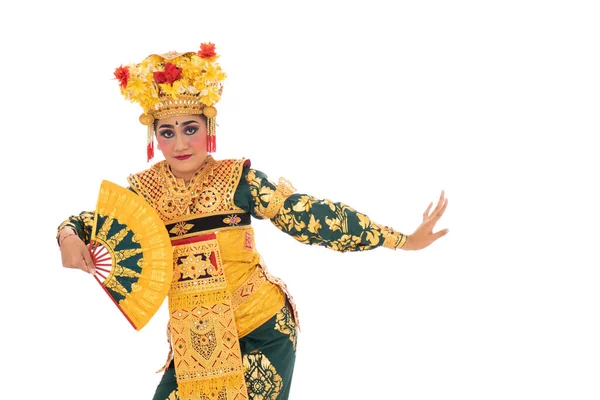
377 106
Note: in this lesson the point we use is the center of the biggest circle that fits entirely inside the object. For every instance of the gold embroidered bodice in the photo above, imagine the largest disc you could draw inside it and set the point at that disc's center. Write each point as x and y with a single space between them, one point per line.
210 191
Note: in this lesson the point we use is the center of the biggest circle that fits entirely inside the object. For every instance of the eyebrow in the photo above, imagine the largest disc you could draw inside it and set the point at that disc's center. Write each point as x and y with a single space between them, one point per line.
186 123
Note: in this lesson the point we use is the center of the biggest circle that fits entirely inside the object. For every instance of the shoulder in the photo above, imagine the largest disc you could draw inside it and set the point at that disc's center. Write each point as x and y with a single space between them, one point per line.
238 162
235 168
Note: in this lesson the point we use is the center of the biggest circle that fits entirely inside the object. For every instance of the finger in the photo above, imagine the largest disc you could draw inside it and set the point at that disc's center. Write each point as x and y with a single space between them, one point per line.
69 261
439 234
426 213
435 217
439 203
437 214
441 210
87 258
430 223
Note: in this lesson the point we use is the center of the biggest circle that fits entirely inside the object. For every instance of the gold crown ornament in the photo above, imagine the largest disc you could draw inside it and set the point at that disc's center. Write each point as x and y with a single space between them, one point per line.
172 84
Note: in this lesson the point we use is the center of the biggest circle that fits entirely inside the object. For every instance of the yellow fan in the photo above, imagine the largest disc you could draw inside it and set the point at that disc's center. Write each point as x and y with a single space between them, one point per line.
131 249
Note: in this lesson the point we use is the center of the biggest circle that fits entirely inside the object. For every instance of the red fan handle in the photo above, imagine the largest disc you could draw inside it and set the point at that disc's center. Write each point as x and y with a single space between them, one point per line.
102 260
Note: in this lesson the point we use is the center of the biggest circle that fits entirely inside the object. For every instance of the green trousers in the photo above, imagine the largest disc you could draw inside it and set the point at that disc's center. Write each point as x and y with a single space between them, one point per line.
268 352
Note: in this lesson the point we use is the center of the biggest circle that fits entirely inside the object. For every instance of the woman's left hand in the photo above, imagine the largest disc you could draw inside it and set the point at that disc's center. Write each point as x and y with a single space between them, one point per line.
424 235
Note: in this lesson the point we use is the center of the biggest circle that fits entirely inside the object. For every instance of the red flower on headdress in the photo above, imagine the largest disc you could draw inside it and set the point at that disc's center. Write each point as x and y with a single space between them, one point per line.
122 75
207 50
171 73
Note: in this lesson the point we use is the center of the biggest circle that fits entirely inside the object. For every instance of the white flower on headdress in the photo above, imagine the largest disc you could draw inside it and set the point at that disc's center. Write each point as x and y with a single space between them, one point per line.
179 86
209 96
192 90
143 71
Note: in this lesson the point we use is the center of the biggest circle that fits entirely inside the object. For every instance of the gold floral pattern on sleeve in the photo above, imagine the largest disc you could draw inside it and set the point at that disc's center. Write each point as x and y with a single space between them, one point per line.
322 222
313 221
303 204
373 236
261 190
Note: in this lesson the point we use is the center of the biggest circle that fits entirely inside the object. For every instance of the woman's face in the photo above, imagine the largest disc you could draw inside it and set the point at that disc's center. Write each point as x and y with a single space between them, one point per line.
182 141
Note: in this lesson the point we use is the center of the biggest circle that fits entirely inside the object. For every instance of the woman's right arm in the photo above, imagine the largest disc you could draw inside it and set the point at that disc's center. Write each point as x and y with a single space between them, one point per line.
73 236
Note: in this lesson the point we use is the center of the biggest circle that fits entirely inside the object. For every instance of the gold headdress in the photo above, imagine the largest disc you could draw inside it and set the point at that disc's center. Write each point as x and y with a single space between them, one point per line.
171 84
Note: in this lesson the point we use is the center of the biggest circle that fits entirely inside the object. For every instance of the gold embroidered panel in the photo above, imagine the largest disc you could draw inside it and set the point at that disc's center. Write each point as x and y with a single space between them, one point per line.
203 327
210 190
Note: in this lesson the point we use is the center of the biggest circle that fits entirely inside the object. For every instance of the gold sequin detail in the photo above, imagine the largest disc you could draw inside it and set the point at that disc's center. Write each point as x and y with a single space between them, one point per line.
284 190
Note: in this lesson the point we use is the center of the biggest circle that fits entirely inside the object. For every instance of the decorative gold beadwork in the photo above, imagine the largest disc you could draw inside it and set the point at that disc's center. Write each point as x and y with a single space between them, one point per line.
284 190
209 112
392 239
249 287
146 119
211 126
210 191
182 105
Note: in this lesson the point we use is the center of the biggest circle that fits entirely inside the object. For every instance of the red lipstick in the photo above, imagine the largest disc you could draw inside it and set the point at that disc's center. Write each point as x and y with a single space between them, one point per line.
185 157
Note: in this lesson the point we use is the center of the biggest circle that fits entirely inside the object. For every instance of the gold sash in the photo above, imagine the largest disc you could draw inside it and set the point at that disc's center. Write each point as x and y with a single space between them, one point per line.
204 336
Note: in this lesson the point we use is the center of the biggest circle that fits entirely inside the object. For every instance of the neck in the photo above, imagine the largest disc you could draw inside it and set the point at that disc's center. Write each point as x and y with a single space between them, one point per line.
187 175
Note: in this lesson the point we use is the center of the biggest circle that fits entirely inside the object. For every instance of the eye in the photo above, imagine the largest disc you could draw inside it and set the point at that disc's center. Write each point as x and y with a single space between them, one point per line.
166 133
190 130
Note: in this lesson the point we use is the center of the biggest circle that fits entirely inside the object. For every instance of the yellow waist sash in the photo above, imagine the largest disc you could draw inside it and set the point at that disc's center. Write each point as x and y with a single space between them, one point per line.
212 303
203 329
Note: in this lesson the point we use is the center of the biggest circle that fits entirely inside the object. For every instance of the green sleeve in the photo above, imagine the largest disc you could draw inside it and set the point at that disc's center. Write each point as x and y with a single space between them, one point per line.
309 220
82 224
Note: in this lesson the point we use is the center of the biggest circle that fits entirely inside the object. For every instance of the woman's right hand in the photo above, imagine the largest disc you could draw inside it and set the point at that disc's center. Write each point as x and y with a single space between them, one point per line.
74 252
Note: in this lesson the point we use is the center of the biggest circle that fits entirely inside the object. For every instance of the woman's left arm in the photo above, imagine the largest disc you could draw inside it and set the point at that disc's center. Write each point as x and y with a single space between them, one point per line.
322 222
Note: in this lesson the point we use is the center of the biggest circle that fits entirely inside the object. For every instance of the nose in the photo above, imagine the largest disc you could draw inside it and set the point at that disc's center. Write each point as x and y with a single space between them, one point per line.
180 142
